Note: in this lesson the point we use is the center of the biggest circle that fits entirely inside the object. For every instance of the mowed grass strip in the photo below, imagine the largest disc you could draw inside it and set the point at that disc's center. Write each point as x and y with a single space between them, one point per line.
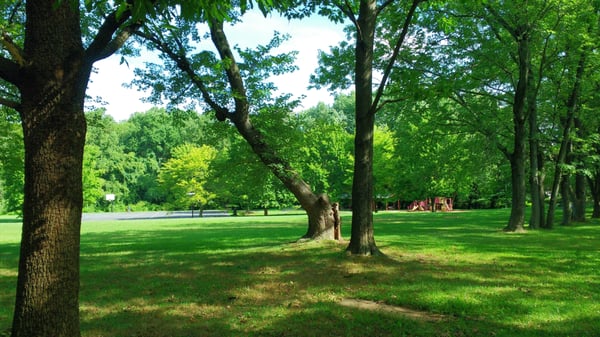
444 274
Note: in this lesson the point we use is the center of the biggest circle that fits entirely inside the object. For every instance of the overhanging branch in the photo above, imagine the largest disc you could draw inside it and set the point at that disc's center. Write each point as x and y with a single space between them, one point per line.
390 65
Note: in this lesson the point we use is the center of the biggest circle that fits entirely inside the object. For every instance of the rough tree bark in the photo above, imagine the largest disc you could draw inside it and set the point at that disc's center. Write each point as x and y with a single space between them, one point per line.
51 73
362 240
517 157
52 85
317 207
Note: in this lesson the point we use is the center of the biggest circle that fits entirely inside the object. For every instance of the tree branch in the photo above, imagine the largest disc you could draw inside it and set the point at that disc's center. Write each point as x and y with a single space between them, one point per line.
9 71
9 103
347 10
184 65
104 44
392 60
231 69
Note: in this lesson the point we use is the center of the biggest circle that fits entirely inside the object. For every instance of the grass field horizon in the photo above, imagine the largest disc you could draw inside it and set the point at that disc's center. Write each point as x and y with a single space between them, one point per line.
443 274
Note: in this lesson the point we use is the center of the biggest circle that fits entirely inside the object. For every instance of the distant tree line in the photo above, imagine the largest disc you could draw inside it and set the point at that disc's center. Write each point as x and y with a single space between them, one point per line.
177 160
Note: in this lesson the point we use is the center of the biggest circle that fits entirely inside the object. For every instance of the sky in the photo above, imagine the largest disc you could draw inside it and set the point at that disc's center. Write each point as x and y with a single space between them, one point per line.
308 36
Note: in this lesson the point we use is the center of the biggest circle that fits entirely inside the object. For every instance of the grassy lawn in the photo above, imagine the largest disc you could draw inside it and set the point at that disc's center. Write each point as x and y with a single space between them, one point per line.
444 274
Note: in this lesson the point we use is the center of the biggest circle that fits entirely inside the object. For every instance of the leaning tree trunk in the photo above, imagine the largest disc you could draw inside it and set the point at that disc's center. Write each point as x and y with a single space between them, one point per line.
362 241
52 95
317 207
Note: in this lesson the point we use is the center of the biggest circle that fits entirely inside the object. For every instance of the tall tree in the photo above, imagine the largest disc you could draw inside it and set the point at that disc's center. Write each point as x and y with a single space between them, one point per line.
46 61
246 92
185 176
363 16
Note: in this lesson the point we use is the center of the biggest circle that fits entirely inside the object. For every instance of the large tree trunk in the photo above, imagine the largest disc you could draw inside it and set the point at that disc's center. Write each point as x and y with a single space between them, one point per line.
52 95
362 241
51 73
517 158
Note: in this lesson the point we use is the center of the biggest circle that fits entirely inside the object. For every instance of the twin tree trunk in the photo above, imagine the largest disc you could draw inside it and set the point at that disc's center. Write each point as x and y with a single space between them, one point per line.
52 86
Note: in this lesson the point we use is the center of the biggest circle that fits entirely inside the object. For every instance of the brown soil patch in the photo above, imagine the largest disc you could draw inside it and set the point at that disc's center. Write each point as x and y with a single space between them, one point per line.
406 312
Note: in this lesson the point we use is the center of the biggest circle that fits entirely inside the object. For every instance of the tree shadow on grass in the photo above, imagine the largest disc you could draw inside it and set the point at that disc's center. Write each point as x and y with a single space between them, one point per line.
245 281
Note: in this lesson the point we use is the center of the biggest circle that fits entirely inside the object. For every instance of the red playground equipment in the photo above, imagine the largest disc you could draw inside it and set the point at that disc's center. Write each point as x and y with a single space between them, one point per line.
443 204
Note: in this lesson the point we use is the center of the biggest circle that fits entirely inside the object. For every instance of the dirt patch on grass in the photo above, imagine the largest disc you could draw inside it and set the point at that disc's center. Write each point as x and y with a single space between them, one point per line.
402 311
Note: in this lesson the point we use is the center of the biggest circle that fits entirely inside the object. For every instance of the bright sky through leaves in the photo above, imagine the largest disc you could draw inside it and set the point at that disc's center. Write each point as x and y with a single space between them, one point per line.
307 36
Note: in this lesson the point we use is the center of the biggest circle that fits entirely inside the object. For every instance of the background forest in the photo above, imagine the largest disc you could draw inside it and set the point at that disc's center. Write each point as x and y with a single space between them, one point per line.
156 160
477 91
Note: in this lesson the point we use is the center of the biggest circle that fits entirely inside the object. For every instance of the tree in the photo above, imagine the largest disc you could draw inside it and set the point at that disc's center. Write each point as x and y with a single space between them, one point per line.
363 17
46 62
92 180
233 91
185 176
505 98
11 163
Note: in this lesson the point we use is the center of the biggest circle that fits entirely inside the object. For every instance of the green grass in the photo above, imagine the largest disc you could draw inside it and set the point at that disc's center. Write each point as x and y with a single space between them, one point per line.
245 276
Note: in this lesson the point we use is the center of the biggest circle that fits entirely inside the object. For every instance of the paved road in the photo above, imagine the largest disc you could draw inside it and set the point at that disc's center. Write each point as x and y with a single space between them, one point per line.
149 215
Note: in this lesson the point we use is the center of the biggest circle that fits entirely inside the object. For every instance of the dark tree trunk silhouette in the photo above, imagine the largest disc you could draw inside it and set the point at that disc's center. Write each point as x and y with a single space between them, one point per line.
521 33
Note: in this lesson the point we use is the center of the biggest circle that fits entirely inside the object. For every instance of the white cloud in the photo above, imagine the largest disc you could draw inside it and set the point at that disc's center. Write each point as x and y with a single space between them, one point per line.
308 36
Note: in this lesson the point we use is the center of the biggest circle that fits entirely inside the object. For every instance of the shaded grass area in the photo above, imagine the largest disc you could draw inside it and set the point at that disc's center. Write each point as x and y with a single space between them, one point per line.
246 277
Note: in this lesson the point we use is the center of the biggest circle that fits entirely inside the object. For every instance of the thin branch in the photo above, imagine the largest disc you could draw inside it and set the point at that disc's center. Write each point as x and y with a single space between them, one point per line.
347 10
104 44
384 5
390 65
184 65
